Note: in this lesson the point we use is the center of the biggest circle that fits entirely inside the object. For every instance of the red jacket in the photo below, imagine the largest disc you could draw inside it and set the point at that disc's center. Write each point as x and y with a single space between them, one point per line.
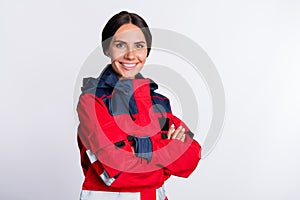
116 115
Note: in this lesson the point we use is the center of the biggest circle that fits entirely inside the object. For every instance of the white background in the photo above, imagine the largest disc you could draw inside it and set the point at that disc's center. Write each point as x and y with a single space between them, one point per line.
254 44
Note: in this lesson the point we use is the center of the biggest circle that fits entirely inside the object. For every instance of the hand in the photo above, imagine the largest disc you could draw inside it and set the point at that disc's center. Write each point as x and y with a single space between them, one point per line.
178 134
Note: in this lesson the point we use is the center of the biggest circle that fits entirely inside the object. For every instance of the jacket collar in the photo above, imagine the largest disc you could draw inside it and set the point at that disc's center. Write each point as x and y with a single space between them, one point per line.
109 79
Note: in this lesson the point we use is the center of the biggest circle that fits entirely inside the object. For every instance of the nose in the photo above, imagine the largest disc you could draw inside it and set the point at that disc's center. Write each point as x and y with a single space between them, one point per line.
130 54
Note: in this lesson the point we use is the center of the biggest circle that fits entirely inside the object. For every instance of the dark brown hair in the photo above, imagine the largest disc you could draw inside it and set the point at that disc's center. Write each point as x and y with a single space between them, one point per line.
120 19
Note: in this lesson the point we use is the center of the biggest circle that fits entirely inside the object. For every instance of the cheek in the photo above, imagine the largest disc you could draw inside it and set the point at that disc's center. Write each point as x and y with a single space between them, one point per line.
116 54
142 55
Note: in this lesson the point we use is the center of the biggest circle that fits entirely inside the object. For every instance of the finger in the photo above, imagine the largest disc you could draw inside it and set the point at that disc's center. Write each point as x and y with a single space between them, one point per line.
176 132
171 130
132 148
182 138
180 134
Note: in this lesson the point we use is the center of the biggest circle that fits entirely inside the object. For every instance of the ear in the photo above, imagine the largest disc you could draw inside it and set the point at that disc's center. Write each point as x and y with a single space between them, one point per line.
107 53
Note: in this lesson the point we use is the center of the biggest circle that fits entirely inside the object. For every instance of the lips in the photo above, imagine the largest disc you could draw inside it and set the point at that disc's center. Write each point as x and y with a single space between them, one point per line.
128 66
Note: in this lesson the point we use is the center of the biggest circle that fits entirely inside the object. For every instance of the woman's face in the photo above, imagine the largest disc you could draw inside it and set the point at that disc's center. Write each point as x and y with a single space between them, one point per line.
128 51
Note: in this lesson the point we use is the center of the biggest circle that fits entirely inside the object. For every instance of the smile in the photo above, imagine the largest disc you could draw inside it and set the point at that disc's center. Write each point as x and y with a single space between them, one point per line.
128 66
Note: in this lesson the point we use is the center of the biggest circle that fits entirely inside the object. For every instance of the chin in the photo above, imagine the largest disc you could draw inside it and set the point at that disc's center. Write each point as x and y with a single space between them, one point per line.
128 76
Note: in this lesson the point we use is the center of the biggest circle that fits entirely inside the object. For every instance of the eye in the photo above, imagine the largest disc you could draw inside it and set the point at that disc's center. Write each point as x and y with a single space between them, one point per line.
139 45
120 45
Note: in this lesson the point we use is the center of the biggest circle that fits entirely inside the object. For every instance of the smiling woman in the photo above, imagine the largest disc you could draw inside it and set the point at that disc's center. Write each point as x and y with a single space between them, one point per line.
130 142
128 51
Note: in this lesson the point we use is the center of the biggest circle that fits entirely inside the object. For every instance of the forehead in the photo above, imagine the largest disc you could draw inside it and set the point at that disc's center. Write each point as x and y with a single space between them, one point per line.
129 33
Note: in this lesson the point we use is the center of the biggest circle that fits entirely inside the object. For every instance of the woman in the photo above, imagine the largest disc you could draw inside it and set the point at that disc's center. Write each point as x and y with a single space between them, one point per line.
129 140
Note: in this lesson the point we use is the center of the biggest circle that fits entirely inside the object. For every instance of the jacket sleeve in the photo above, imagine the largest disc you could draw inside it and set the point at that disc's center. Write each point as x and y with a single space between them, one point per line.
112 159
176 157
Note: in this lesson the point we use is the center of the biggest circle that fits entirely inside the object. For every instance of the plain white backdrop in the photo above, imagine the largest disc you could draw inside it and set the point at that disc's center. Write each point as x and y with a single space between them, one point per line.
255 46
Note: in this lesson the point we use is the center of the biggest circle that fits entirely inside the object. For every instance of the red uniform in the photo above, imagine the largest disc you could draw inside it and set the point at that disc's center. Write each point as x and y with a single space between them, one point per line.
118 115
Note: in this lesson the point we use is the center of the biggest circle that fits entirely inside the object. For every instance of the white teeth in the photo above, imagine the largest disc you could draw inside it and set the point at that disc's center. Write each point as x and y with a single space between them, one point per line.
129 65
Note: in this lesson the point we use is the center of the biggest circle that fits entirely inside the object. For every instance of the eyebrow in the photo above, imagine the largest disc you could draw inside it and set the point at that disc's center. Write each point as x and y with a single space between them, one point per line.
125 42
